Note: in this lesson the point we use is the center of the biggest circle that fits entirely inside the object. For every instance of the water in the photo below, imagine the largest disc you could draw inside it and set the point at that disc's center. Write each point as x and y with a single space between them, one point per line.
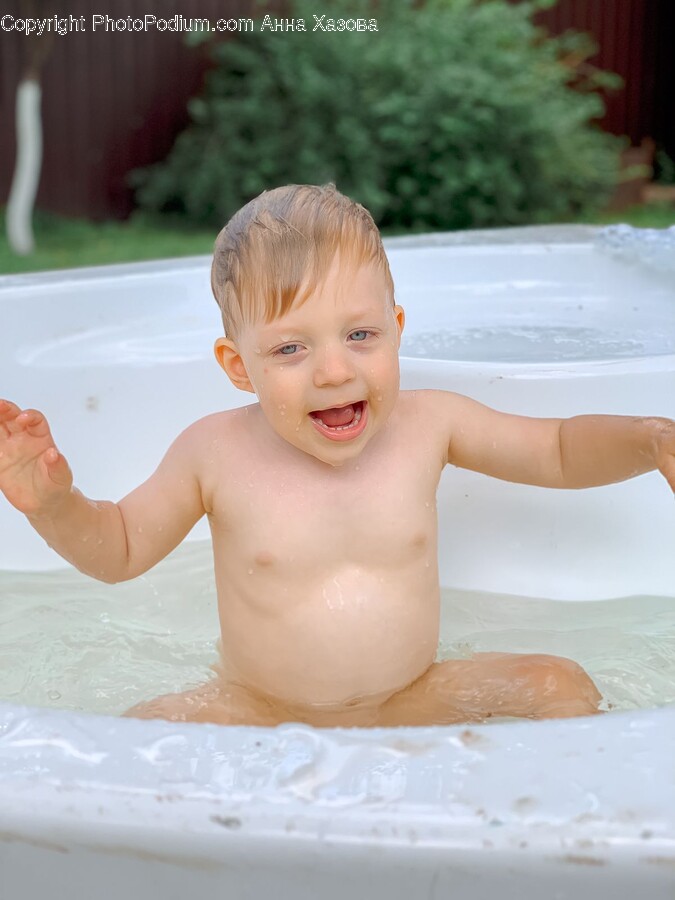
534 343
69 642
651 247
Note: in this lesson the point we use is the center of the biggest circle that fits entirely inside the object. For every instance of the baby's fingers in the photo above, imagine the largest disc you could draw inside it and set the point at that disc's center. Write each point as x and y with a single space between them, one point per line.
32 421
55 467
15 420
8 413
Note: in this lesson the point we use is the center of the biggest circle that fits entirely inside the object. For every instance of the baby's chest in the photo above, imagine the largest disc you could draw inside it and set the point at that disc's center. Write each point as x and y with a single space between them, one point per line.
363 520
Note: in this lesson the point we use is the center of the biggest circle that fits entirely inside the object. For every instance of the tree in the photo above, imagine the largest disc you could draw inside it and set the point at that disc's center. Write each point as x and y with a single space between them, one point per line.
28 164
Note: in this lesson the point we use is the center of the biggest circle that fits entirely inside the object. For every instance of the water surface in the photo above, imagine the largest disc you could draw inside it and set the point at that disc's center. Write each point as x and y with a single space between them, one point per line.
69 642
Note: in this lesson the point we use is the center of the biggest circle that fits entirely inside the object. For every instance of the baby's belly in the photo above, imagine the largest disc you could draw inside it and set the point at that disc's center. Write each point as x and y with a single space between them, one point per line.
354 638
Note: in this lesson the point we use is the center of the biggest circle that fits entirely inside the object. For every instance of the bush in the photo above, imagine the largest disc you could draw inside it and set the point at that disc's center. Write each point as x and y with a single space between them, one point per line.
457 114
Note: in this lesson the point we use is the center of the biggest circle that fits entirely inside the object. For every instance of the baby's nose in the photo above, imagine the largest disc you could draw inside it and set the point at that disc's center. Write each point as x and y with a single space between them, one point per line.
333 365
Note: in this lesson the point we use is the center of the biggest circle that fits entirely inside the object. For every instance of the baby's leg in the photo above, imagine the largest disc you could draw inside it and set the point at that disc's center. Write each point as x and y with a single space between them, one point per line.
216 701
536 686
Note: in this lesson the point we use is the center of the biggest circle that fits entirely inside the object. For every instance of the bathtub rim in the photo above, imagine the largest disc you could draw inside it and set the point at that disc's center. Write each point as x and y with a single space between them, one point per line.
32 791
532 238
539 807
572 235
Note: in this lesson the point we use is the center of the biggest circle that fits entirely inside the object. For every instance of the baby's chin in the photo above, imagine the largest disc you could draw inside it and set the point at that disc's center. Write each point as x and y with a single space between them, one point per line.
335 456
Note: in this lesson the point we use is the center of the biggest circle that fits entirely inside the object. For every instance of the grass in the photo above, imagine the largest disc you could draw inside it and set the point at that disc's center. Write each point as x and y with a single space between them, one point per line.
64 243
652 215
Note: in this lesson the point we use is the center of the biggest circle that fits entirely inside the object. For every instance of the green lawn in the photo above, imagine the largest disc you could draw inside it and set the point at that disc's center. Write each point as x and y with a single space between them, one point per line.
653 215
64 243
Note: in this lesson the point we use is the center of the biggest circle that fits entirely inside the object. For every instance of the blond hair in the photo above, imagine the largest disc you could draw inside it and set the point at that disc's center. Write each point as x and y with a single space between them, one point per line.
284 240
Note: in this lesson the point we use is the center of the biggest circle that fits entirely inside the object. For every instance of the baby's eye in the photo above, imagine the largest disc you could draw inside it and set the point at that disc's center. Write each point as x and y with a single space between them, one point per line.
280 351
363 332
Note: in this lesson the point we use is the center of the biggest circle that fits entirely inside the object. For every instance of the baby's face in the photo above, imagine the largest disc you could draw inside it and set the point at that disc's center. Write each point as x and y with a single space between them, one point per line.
339 348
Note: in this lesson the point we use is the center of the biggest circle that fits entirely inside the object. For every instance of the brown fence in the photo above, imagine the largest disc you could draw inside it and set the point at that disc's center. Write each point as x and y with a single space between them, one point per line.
113 102
635 39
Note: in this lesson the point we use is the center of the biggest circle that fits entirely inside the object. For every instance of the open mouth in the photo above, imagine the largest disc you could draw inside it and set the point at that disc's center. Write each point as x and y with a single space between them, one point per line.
341 423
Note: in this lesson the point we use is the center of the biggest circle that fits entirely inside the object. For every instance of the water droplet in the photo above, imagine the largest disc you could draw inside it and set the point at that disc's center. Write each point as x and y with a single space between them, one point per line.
250 571
99 541
161 528
140 530
54 695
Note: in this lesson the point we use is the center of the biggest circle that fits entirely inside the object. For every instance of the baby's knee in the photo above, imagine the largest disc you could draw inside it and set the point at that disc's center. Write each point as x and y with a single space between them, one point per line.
158 708
565 686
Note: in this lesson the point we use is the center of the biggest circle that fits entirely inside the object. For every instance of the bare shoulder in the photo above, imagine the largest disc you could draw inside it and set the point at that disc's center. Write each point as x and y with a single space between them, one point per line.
424 403
217 425
430 410
448 403
445 409
212 443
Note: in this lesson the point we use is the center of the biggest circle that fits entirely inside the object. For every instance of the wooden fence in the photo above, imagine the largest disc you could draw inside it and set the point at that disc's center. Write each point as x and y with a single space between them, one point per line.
116 101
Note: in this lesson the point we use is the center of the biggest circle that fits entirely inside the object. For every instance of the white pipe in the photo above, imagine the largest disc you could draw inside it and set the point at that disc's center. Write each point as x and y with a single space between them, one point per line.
27 167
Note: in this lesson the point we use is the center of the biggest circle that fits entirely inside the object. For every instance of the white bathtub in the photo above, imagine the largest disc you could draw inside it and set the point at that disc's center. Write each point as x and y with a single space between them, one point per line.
539 323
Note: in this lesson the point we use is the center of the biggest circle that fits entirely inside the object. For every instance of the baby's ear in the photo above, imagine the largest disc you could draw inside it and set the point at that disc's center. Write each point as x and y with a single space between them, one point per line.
399 314
230 360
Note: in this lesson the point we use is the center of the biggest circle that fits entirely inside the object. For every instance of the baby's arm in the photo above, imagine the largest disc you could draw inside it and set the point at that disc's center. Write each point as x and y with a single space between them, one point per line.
599 450
109 541
579 452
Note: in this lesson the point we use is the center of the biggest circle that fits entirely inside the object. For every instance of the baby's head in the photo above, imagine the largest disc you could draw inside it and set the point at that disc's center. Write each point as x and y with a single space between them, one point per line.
278 248
307 301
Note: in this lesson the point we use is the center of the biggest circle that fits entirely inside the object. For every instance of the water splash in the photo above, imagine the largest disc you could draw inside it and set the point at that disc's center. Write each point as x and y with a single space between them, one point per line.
653 247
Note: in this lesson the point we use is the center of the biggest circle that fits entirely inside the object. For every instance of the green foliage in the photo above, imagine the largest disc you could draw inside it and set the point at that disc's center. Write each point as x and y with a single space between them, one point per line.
456 114
665 168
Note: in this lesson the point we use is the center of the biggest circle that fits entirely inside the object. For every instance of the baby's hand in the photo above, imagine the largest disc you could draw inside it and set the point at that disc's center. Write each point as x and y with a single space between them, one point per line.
665 451
34 476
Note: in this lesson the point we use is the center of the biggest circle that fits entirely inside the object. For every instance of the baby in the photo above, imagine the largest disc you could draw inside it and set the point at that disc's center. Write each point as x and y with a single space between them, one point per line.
321 496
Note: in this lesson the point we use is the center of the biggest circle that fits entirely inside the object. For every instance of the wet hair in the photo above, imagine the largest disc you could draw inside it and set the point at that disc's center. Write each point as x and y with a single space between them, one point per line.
278 248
